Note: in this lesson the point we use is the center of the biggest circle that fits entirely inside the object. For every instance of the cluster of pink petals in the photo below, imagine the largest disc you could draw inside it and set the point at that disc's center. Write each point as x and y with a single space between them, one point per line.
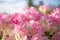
30 24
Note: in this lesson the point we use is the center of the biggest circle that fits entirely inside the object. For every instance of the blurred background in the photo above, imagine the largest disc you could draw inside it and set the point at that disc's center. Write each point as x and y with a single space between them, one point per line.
12 6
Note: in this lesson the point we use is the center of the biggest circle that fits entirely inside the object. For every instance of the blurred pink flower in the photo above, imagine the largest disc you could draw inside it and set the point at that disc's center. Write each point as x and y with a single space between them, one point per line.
56 36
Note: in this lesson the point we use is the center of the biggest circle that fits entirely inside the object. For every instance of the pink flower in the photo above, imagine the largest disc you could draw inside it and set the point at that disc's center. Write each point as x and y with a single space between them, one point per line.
18 28
35 26
45 38
57 10
38 36
34 37
25 18
33 10
56 36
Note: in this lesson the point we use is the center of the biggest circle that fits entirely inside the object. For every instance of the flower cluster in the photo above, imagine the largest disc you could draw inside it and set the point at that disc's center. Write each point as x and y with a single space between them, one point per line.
31 24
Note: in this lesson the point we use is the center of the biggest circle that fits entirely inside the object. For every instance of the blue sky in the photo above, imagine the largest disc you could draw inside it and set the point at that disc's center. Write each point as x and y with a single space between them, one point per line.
54 2
47 2
11 6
